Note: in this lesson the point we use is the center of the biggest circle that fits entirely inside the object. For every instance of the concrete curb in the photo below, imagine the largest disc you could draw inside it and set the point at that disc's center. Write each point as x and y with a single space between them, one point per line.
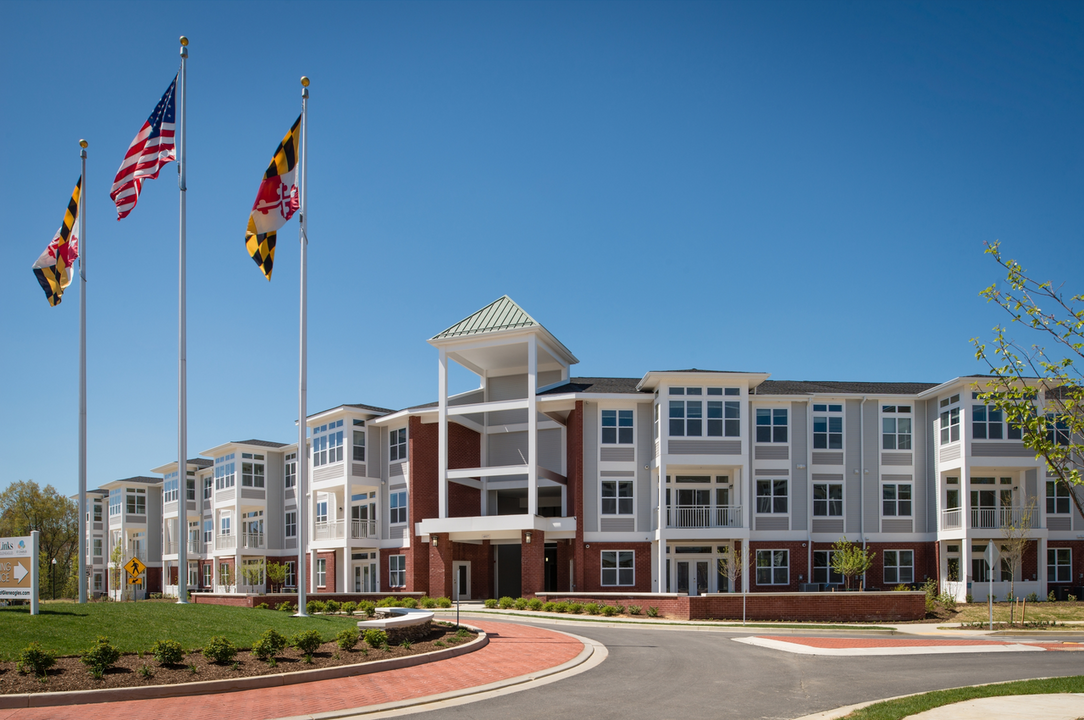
208 687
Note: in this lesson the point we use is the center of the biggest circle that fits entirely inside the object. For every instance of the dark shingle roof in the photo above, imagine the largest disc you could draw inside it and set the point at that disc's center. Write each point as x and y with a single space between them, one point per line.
360 406
140 479
829 387
595 385
201 462
260 443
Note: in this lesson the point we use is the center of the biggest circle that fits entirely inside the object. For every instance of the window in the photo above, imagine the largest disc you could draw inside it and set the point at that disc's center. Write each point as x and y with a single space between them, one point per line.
773 567
208 484
398 503
953 552
208 571
224 525
193 575
397 571
169 487
97 512
359 443
1057 431
321 572
986 424
327 444
251 472
136 501
190 490
617 427
291 523
208 530
950 424
1057 498
771 496
828 428
97 547
115 500
291 470
617 498
896 427
899 567
397 444
771 425
1059 567
724 418
225 472
97 582
291 574
618 567
321 508
896 500
822 568
827 500
687 416
224 574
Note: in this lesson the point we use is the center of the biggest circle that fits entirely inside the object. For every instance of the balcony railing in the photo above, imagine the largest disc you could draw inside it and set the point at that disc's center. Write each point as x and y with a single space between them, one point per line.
996 518
700 516
951 519
173 547
253 541
362 529
225 542
328 530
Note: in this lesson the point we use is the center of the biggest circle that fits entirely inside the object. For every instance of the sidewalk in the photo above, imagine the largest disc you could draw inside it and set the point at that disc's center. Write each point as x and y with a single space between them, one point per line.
515 654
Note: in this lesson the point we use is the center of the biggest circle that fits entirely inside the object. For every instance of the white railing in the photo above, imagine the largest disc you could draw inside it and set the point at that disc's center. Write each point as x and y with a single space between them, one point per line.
951 519
995 518
173 547
361 529
225 542
137 553
328 530
253 540
704 516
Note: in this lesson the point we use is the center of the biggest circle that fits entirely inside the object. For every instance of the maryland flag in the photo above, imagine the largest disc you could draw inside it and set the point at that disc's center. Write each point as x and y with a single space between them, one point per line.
276 201
53 268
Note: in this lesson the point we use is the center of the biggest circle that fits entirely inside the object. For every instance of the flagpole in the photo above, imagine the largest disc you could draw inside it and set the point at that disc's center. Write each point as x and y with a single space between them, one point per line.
182 409
83 373
302 423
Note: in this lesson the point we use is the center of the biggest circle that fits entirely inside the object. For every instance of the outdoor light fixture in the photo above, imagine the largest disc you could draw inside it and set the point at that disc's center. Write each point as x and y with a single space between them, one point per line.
528 538
435 541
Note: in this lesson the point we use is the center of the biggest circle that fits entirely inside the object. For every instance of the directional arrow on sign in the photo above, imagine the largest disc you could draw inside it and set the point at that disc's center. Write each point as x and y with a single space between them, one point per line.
20 572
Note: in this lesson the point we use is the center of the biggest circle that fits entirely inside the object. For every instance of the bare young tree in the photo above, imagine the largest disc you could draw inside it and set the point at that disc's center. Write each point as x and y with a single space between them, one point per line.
1015 541
732 567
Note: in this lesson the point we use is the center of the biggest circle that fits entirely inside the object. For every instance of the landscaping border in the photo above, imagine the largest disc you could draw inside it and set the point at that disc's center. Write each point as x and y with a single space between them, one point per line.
207 687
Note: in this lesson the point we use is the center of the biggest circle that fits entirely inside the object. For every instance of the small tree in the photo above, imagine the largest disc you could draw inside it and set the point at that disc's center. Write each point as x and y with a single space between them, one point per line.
731 567
225 576
276 575
253 575
116 578
1013 546
850 560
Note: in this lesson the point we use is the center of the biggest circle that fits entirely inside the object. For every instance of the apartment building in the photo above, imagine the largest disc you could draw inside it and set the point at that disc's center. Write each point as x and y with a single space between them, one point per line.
540 481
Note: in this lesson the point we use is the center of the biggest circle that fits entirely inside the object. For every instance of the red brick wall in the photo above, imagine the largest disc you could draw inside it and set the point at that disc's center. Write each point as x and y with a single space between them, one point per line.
440 565
532 563
481 563
592 567
924 563
412 556
1077 559
564 554
1029 563
331 577
799 565
154 579
574 492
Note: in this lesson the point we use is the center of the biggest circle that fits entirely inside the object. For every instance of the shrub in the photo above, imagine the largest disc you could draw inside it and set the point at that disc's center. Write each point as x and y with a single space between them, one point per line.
389 602
270 644
521 603
968 598
350 607
263 606
1034 597
406 644
620 609
100 656
347 639
35 657
332 606
167 652
285 606
427 602
1052 597
609 610
575 608
931 605
534 604
145 671
506 602
948 600
905 588
1070 598
591 608
367 608
307 642
219 650
549 606
634 609
490 604
652 611
315 606
561 607
444 602
375 638
408 602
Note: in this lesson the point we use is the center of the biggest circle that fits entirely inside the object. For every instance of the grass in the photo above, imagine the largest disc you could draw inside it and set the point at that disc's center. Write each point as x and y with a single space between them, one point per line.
1059 611
901 708
68 628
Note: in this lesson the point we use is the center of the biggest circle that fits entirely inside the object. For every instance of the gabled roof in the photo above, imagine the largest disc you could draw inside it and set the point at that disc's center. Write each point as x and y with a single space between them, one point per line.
359 406
139 479
260 443
596 385
201 462
501 314
829 387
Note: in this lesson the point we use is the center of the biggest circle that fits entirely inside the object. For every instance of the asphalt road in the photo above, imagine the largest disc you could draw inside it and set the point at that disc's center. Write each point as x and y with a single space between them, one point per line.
657 674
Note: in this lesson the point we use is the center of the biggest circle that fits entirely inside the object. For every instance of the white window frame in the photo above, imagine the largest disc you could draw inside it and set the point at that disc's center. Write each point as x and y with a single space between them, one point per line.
686 416
778 503
96 543
949 419
617 427
116 501
831 577
132 498
290 470
894 418
896 500
397 445
358 432
208 530
828 502
170 485
618 568
773 421
290 523
327 443
616 498
225 472
291 574
208 575
397 507
1058 566
397 570
1057 497
252 472
828 426
896 571
775 569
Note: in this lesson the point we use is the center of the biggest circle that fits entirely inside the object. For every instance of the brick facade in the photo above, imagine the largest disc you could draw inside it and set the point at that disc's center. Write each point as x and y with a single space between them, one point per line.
592 564
533 563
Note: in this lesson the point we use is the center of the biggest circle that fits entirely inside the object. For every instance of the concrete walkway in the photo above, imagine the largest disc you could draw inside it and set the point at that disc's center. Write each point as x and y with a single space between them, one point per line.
1017 707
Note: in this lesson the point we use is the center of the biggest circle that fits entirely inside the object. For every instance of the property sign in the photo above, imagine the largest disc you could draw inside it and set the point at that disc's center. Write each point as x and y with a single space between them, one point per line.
134 568
17 562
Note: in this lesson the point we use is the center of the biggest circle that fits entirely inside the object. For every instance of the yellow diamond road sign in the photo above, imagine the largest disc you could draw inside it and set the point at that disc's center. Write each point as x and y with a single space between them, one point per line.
134 567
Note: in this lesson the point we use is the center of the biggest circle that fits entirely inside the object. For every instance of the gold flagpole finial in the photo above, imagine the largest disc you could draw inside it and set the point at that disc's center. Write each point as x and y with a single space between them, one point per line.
304 81
83 143
184 41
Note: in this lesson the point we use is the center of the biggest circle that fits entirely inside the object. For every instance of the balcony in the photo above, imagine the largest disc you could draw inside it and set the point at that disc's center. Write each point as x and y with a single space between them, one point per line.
253 541
225 542
701 516
328 530
173 547
986 518
362 529
951 519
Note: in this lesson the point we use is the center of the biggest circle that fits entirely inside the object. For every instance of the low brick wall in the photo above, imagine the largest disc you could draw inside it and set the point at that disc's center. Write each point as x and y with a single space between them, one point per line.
802 607
274 599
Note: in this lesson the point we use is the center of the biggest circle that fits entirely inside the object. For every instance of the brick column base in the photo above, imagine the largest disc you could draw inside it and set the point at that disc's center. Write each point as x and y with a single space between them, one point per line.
440 565
533 563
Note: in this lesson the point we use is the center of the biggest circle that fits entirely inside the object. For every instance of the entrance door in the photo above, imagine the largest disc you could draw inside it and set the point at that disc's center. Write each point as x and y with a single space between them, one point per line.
462 580
692 576
549 575
357 578
363 521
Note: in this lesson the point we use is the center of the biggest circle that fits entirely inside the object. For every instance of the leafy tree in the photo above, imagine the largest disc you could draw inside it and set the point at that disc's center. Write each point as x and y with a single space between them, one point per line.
1039 391
850 560
24 507
276 575
116 576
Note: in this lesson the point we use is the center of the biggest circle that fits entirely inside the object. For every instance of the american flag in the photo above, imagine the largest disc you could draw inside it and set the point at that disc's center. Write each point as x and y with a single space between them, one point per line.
152 148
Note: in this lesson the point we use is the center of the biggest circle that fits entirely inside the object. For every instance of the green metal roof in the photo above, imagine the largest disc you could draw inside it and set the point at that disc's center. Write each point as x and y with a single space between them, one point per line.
501 314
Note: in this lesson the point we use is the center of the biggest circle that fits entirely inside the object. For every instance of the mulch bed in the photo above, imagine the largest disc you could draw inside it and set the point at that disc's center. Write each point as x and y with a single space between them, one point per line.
70 674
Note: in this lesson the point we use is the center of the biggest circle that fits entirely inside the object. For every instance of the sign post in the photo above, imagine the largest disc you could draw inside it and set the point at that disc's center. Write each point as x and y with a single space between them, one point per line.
135 568
991 557
19 569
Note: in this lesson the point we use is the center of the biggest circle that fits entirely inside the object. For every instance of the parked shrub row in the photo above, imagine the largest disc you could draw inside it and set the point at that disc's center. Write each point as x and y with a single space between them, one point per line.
570 608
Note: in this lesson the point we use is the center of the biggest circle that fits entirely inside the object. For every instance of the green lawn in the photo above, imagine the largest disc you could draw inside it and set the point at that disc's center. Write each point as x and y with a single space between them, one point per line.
896 709
68 628
1059 611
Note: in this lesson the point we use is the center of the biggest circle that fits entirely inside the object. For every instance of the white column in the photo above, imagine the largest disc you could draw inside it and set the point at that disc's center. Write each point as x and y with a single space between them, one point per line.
483 448
532 425
442 436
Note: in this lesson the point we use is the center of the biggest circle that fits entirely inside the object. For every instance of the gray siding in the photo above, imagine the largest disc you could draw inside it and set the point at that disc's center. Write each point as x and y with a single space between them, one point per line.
925 489
549 377
646 445
799 479
1031 487
507 387
549 449
852 491
704 447
871 436
507 449
467 398
1000 449
275 514
926 444
154 524
590 467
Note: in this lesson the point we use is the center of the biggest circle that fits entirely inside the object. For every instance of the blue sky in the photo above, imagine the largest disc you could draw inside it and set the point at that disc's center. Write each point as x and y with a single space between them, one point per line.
797 188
